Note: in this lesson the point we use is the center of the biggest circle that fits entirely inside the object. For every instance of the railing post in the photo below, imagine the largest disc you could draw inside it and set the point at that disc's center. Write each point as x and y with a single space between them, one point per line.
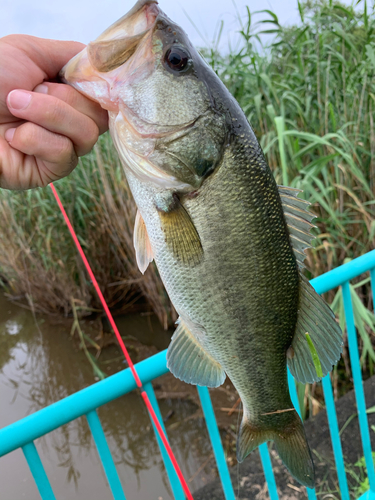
105 455
38 472
268 471
217 447
358 385
372 275
293 394
335 437
177 489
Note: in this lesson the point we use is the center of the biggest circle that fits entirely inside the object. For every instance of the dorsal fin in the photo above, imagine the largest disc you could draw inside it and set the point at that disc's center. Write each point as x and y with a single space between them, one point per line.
298 219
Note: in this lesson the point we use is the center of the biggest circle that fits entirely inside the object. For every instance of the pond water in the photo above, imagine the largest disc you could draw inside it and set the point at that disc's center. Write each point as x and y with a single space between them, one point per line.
40 364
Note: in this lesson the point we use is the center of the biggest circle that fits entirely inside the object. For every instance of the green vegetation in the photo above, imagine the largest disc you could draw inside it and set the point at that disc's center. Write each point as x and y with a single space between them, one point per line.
359 477
310 98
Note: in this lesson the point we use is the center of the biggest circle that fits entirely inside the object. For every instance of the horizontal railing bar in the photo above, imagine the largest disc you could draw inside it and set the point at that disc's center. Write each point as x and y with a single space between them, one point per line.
47 419
177 489
217 446
105 455
38 472
344 273
369 495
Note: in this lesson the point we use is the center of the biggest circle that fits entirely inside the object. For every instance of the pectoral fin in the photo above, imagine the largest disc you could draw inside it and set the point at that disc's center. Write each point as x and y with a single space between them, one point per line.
315 318
142 245
181 235
189 362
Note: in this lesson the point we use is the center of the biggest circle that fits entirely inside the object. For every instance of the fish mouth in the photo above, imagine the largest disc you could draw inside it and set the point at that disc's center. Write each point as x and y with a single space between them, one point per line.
93 70
119 42
140 18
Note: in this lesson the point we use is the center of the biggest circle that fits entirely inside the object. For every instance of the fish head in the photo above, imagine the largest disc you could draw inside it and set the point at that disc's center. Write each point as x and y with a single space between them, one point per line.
154 84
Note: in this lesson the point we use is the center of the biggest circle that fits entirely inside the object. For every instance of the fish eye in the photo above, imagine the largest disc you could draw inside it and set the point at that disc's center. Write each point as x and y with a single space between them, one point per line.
176 58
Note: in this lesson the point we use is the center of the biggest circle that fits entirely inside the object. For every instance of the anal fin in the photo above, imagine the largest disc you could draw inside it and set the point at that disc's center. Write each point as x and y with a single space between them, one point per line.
315 318
142 245
190 362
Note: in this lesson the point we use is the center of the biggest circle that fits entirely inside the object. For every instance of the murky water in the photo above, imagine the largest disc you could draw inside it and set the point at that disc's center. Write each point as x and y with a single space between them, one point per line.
39 364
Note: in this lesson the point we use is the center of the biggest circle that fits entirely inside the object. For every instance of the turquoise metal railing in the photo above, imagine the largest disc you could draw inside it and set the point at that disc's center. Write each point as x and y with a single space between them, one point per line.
23 433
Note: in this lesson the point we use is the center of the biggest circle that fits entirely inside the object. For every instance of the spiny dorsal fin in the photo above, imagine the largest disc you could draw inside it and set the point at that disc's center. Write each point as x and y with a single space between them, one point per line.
189 361
143 251
315 318
298 219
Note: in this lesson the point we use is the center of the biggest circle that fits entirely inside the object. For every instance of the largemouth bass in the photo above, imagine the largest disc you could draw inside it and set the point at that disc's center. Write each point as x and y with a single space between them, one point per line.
228 242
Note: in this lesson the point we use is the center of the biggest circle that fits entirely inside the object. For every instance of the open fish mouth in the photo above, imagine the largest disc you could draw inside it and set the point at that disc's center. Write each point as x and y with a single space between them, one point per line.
122 38
139 19
122 56
107 61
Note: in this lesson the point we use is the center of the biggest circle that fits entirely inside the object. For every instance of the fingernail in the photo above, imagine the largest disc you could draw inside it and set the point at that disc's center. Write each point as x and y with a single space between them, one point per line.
41 89
19 99
9 134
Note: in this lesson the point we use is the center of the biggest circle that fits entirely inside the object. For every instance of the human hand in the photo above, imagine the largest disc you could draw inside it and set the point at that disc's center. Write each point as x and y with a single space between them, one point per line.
44 126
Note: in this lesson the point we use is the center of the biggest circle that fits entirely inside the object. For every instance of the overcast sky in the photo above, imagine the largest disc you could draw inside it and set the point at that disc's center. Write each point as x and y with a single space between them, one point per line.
84 20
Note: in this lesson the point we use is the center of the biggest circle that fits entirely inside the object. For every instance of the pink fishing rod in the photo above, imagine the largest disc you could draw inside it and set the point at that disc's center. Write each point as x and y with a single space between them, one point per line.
148 404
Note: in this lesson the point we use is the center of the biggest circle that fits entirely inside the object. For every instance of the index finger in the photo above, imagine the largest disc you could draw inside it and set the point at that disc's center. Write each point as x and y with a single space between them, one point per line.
49 55
77 101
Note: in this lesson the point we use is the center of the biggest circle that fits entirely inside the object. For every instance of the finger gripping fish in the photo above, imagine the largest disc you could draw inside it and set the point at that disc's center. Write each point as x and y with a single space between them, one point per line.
228 242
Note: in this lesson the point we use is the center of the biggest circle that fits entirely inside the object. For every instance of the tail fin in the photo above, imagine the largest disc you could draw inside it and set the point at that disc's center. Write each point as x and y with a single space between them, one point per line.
290 441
